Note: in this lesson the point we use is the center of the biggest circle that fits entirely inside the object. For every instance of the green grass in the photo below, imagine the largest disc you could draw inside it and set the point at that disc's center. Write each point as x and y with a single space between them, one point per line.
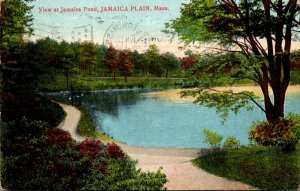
264 168
86 126
85 83
295 77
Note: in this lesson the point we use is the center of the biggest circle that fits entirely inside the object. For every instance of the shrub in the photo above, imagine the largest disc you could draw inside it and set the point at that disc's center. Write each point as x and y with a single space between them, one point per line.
115 152
212 138
285 133
53 161
59 137
125 176
44 166
232 143
33 107
17 133
91 148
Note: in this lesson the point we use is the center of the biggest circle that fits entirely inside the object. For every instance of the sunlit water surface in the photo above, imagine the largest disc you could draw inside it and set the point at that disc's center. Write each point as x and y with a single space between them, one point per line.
144 120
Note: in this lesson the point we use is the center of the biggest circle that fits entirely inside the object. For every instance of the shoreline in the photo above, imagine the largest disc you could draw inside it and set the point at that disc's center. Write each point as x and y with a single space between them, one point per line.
175 162
174 94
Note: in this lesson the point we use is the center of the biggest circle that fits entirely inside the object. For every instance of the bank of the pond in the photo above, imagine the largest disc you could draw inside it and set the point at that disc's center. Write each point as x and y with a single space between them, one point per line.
84 83
267 168
176 163
174 94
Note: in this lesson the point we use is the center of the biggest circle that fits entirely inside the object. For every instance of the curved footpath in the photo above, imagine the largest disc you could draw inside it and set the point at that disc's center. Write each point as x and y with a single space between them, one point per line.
176 163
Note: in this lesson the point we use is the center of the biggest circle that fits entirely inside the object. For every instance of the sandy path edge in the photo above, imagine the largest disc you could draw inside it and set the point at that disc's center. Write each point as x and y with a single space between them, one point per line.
176 163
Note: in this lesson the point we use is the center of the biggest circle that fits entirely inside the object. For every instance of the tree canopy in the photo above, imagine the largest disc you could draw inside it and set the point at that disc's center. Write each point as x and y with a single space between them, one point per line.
262 30
15 21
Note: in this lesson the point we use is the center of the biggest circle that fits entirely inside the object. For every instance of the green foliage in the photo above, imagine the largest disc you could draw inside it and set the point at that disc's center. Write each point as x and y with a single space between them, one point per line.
212 138
153 60
223 102
242 25
86 126
15 21
285 133
93 83
53 161
232 143
264 168
124 176
170 62
33 107
220 70
295 77
87 56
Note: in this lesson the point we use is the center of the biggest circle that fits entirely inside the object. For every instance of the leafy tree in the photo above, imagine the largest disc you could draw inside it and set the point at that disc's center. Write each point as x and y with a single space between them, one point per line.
75 47
187 62
101 53
111 60
66 58
295 60
212 138
140 64
246 25
48 53
87 56
125 63
170 62
15 21
32 57
153 60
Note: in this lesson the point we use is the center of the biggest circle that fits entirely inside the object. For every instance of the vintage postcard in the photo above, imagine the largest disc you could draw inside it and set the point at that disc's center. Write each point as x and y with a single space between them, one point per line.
150 94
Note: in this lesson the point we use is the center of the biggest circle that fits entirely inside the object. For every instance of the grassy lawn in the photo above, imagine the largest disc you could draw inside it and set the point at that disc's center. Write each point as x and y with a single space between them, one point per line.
264 168
85 83
86 126
295 77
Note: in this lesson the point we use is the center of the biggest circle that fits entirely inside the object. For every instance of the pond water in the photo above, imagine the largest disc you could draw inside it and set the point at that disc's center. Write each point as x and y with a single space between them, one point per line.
146 120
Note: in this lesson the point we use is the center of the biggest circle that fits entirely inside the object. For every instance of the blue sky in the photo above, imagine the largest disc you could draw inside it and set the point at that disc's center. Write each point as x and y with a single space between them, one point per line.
124 29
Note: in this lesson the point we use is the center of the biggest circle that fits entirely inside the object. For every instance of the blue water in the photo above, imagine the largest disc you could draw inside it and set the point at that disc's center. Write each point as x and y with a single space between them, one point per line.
140 120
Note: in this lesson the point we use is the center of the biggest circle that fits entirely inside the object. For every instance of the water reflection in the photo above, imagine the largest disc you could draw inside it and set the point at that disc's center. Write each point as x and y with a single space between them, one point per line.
145 120
107 102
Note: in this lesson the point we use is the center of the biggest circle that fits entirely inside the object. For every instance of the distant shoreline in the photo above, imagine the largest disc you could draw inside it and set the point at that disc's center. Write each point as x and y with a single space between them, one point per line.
174 94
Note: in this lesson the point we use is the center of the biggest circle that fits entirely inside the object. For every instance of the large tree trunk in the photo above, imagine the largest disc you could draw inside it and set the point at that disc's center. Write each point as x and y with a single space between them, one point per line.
279 83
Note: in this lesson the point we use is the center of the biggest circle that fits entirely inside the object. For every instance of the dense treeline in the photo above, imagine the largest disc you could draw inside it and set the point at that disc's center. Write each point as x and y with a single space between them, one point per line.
99 60
58 65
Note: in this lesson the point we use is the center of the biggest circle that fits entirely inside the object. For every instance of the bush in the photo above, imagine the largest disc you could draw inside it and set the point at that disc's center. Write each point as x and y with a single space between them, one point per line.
124 176
16 135
31 106
58 137
115 152
91 148
212 138
53 161
285 133
232 143
44 166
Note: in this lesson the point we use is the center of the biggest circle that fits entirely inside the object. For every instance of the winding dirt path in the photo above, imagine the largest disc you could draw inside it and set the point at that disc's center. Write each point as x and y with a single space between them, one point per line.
176 163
